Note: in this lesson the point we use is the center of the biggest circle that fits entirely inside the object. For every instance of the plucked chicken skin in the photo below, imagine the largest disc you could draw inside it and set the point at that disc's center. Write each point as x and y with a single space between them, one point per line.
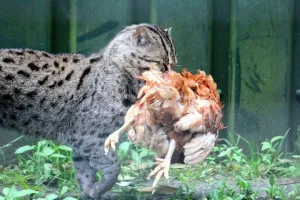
174 112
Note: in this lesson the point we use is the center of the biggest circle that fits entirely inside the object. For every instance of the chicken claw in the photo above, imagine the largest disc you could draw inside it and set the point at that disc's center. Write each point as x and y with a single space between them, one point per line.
163 166
113 138
111 141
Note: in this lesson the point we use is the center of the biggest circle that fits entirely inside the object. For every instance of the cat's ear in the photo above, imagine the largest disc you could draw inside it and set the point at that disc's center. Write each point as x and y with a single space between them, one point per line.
141 36
169 30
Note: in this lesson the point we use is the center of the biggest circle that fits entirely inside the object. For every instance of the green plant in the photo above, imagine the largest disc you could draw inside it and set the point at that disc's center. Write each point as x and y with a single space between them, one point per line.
13 194
181 193
9 145
274 192
135 161
50 163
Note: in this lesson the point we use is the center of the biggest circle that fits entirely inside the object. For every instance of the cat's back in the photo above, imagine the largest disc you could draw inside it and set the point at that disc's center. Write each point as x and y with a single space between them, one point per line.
31 69
35 82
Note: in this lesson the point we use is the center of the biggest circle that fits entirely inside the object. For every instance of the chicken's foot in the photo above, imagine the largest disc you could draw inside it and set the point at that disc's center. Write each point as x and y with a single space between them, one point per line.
163 166
113 138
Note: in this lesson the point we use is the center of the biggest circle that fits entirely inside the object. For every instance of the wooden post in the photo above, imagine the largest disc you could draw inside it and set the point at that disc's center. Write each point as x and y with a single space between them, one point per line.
260 68
64 26
295 96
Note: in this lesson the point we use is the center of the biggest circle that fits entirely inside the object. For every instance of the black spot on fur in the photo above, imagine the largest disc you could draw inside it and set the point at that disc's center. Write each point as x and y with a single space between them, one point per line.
33 67
46 55
97 59
45 66
26 123
56 64
31 94
83 133
9 77
93 132
13 117
17 91
87 175
78 158
65 60
75 60
72 97
59 96
66 100
84 74
87 150
8 60
80 142
35 117
102 87
6 97
43 100
23 73
52 85
112 110
0 68
19 53
21 107
63 68
53 104
30 51
68 77
133 55
43 81
126 102
60 83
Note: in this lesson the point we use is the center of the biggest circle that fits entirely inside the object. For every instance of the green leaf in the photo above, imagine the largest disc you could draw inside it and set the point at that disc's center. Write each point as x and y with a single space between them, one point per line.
24 149
135 156
295 156
274 139
51 197
65 148
124 146
69 198
5 191
64 190
21 181
222 154
145 152
26 192
47 169
56 155
266 145
48 151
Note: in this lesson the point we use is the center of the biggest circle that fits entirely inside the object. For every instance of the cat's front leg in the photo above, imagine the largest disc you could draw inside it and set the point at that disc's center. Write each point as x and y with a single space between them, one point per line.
87 164
85 174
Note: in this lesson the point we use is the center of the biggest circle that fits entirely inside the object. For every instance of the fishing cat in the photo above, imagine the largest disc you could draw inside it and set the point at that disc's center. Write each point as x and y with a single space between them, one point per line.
80 100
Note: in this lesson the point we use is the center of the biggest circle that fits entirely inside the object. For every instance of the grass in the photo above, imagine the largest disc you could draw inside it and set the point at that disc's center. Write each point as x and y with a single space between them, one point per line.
44 171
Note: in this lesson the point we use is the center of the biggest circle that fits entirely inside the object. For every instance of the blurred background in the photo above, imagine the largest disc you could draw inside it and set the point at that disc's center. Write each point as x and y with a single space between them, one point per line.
251 48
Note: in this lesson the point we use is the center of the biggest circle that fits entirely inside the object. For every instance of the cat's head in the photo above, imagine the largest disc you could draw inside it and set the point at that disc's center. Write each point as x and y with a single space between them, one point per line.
144 45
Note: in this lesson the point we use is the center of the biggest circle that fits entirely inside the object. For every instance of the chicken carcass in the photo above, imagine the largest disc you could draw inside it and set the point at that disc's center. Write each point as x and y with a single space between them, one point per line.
174 112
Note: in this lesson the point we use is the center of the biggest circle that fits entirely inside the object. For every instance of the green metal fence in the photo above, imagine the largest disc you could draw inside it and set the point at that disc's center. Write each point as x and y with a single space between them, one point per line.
251 47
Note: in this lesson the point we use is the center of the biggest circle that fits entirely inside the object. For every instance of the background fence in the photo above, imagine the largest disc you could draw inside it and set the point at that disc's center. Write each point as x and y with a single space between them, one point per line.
251 47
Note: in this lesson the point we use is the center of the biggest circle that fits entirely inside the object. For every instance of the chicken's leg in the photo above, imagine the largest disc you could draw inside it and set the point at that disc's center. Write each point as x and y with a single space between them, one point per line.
163 165
113 138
